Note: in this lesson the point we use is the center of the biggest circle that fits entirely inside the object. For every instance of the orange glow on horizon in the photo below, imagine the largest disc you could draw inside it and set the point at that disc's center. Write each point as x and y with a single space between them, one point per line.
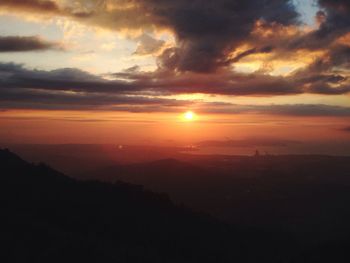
105 127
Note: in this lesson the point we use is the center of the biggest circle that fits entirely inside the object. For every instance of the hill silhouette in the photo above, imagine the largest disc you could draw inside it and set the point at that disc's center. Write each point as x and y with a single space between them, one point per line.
155 174
49 217
306 196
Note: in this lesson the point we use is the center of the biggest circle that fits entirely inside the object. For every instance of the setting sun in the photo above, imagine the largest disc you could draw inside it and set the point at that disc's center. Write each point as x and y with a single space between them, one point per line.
189 116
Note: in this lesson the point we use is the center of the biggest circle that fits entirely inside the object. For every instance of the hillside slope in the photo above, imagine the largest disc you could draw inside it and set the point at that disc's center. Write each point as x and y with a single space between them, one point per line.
52 218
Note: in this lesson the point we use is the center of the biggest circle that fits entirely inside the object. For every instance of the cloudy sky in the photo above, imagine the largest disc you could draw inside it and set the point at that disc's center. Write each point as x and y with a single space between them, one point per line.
125 71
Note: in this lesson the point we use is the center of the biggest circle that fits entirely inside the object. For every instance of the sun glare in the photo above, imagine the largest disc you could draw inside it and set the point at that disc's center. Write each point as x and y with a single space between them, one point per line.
189 116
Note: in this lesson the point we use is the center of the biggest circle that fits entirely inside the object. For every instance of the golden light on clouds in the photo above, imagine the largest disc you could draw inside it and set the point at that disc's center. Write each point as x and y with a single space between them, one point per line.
134 70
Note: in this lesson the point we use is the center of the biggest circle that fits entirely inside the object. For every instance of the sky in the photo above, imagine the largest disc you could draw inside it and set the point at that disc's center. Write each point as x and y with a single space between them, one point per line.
268 74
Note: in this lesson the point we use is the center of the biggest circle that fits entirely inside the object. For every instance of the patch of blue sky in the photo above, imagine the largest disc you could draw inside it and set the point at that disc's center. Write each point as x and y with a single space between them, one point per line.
307 10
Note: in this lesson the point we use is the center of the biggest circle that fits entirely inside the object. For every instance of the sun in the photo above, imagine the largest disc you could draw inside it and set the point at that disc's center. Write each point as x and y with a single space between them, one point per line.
189 115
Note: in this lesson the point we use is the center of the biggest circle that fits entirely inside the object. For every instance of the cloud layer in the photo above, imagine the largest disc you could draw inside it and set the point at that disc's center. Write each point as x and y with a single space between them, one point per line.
29 43
73 89
212 41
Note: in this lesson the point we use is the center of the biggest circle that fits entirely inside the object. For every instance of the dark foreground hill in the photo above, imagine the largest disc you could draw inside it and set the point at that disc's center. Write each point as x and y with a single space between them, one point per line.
307 196
48 217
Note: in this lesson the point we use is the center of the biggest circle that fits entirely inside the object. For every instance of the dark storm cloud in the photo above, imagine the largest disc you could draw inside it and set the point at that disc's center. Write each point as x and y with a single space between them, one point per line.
26 43
334 22
339 56
337 17
342 5
208 31
327 74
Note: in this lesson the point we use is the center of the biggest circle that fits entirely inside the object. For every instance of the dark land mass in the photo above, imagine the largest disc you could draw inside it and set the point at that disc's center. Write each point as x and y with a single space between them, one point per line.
271 208
49 217
307 196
